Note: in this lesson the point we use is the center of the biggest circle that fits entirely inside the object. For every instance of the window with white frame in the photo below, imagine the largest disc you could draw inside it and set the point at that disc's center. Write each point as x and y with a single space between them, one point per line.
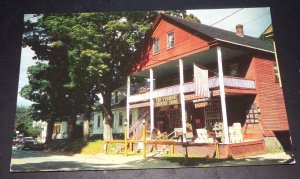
155 45
170 39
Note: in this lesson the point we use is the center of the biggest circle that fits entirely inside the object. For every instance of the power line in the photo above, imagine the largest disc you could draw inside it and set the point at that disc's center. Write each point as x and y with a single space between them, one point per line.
254 19
257 18
226 17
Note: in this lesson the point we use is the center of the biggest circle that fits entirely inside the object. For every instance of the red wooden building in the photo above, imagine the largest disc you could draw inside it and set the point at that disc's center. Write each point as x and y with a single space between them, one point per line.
242 84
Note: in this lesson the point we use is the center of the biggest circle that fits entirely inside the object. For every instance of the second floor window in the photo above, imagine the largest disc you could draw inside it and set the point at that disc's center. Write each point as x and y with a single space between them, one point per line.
170 39
155 46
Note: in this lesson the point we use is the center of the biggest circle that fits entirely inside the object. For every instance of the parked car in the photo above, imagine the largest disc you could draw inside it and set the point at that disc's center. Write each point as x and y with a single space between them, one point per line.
15 141
29 143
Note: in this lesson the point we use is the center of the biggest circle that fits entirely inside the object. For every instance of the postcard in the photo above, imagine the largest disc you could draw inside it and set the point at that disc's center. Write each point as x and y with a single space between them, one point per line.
150 89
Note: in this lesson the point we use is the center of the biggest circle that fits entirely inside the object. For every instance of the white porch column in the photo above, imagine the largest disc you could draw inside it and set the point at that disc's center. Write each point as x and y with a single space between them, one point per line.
222 96
182 102
151 101
128 105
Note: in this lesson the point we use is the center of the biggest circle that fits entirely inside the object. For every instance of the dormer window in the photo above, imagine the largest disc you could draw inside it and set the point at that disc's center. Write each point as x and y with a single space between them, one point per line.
170 39
155 46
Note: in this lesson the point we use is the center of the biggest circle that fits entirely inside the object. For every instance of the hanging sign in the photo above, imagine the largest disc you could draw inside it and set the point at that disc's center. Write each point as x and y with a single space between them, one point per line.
166 101
200 100
201 105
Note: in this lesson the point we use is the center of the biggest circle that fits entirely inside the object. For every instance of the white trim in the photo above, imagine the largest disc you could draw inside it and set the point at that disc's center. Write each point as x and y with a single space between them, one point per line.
151 101
222 96
244 45
128 105
182 101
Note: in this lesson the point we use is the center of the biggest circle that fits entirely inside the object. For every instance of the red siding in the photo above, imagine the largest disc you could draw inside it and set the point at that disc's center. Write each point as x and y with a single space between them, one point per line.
185 44
269 97
250 74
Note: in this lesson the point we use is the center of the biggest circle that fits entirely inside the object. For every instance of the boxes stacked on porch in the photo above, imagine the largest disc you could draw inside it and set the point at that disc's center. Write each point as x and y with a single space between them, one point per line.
218 129
203 137
235 133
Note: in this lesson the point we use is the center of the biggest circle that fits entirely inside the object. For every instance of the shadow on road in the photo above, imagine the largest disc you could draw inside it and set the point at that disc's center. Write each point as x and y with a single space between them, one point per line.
225 162
171 162
59 166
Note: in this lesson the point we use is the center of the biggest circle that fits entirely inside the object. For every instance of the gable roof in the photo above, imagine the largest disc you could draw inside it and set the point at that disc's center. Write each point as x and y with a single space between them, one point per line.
219 34
268 33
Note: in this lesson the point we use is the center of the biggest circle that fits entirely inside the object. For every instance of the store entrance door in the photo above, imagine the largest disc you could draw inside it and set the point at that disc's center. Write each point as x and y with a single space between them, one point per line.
175 118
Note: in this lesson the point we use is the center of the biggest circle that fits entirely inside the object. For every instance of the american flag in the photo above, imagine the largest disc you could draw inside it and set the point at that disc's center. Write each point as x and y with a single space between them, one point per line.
201 82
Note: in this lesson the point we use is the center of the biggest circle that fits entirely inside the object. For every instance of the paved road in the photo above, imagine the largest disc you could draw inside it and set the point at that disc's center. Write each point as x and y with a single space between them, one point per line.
47 161
25 160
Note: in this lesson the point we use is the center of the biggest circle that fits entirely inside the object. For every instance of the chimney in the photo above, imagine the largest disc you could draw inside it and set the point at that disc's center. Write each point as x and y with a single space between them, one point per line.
239 30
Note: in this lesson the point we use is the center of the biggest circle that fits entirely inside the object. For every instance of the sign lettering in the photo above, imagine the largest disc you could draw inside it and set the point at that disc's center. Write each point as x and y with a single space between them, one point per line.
166 101
200 105
200 100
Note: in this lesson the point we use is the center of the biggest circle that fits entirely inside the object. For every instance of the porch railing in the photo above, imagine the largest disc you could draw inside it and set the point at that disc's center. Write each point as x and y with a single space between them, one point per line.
213 82
233 82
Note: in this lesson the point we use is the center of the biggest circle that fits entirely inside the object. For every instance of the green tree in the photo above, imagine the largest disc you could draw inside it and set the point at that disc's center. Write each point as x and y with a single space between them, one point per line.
24 122
41 91
87 54
47 78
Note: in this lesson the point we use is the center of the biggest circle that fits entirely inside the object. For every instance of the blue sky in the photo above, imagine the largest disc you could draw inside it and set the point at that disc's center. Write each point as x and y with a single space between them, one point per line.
254 20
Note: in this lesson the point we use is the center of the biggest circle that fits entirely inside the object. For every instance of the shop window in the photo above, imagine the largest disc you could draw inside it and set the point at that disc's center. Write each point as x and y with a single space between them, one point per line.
155 46
170 39
212 113
120 118
276 72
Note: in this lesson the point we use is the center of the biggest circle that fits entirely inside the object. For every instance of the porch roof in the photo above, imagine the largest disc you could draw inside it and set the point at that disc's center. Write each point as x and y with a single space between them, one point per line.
202 58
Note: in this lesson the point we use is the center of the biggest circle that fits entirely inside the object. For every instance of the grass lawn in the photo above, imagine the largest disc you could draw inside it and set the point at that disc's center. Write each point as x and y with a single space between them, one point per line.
80 146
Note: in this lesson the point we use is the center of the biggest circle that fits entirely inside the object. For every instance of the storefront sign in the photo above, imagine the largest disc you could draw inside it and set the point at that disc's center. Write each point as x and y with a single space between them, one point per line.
200 100
201 105
166 101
